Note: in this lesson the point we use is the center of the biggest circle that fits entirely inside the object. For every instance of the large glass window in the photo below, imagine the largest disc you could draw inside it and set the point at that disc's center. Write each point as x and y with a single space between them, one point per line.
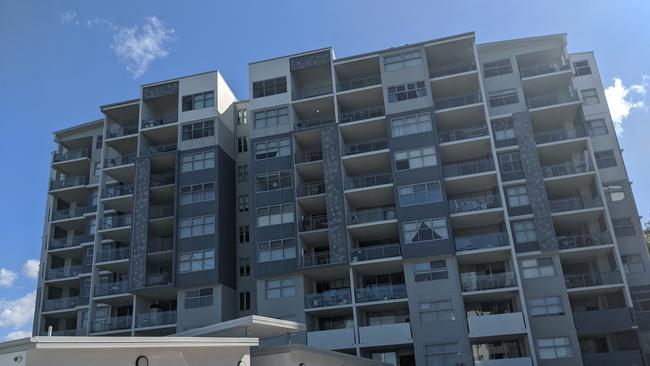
198 101
590 96
199 260
430 271
632 263
423 230
407 91
546 306
524 231
273 181
271 118
402 60
197 130
517 196
199 297
417 194
416 158
510 162
605 159
582 67
196 226
597 127
272 149
552 348
443 354
503 129
197 161
411 124
275 215
623 227
275 250
275 289
538 267
436 311
197 193
269 87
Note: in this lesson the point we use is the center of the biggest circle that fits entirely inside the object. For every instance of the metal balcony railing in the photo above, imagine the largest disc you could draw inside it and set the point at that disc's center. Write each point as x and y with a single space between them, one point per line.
314 122
69 213
58 157
161 244
119 161
558 135
68 182
61 333
158 149
71 241
573 241
315 259
311 92
160 120
553 99
113 222
359 83
112 288
566 204
158 279
120 131
457 101
566 168
117 191
479 282
380 293
368 215
477 203
160 211
341 296
368 180
452 69
162 179
577 280
468 167
310 189
376 252
62 272
366 146
361 114
113 323
463 133
313 223
113 254
481 241
308 156
542 69
154 319
64 303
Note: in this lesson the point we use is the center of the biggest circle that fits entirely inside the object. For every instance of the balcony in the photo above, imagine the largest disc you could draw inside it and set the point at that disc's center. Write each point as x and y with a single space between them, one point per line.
369 215
316 259
64 303
631 357
73 212
454 69
163 179
496 325
481 241
158 279
157 149
71 241
385 334
112 288
61 333
63 272
159 120
604 320
579 280
514 361
457 101
117 191
583 240
336 297
313 122
542 69
114 133
68 182
566 168
158 245
155 319
474 203
332 339
361 114
58 157
368 181
310 189
358 83
463 133
381 293
114 222
375 252
481 282
119 161
113 254
308 156
561 134
572 204
311 92
366 147
468 167
313 223
161 211
553 99
113 323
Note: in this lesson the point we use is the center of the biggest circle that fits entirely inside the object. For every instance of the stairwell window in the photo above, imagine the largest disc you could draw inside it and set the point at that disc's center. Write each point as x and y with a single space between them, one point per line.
590 97
416 158
623 227
275 215
242 144
524 231
597 127
407 91
582 67
411 124
503 97
198 101
198 298
425 230
517 196
632 263
503 129
605 159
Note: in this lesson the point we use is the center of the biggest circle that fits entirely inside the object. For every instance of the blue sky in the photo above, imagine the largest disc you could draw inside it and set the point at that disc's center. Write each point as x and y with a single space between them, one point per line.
60 60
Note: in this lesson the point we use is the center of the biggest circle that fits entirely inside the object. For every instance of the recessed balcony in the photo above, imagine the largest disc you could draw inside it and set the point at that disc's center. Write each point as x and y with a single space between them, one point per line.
116 227
161 244
452 69
474 203
112 324
543 69
64 303
109 254
496 325
70 241
72 162
582 280
158 279
336 297
313 122
118 132
311 92
562 134
564 205
358 83
566 168
472 282
466 133
70 189
158 149
380 293
553 99
160 120
118 197
375 252
385 335
361 114
155 319
586 240
63 272
316 259
112 288
469 167
458 101
481 241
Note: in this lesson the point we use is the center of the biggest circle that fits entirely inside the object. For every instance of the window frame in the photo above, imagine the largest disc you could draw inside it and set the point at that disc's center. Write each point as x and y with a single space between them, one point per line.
435 224
425 154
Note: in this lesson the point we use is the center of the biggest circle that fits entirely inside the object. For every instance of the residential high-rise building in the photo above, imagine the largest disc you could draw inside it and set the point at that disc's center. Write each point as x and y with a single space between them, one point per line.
440 203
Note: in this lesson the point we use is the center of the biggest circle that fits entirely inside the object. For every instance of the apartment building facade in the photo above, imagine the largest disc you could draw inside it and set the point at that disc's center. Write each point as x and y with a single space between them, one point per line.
440 203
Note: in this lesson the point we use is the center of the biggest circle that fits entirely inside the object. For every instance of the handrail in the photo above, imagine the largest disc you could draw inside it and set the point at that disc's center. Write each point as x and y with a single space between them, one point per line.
361 114
457 101
375 252
463 133
117 190
480 241
58 157
359 83
475 203
374 214
159 120
119 160
310 189
380 292
162 179
68 182
158 149
566 168
366 146
120 131
471 281
311 92
340 296
452 69
308 156
313 122
468 167
541 69
553 99
72 212
313 223
559 134
113 254
70 241
368 180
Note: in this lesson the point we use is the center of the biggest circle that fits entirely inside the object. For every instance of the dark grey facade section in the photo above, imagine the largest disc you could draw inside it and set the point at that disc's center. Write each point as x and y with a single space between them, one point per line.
336 229
138 261
162 90
226 221
535 182
603 321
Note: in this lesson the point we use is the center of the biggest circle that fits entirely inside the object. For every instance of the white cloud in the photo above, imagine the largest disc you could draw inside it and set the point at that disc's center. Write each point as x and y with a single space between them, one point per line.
69 16
7 277
17 313
18 334
622 100
138 47
30 268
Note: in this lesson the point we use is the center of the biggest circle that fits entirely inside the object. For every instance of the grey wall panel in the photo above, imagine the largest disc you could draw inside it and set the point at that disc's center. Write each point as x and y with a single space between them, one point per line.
273 268
334 200
226 220
140 226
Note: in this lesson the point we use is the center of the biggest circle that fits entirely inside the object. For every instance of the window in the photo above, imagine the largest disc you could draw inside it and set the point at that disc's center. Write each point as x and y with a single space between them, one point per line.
198 130
198 101
275 250
623 227
199 260
503 129
504 97
411 124
597 127
536 268
268 87
242 117
197 161
243 203
244 301
417 194
199 298
517 196
495 68
582 68
605 159
444 354
242 173
430 271
197 193
551 348
524 231
98 168
196 226
402 60
94 195
275 215
590 96
275 289
92 226
546 306
99 141
244 234
423 230
242 144
416 158
244 267
271 118
407 91
436 311
614 192
272 149
273 181
632 263
510 162
641 300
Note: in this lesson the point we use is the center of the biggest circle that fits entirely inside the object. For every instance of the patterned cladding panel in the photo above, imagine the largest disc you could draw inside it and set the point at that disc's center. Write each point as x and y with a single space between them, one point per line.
138 261
334 195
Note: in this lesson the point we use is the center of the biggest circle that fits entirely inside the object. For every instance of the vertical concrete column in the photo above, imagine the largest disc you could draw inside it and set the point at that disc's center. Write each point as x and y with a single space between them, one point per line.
140 223
334 195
